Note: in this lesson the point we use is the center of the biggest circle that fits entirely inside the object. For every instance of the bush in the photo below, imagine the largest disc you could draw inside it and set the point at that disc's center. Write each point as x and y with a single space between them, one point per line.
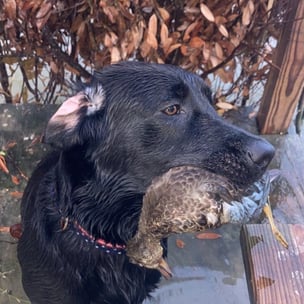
50 41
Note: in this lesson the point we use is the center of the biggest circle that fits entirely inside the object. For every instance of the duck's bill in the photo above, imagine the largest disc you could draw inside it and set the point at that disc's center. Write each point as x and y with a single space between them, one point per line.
164 269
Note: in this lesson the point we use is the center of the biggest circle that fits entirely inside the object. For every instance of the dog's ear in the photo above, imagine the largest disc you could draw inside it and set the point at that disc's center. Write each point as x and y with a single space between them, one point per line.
67 126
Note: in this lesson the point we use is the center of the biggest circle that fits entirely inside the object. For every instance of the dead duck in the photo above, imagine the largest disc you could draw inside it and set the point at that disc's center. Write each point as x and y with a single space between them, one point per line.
190 199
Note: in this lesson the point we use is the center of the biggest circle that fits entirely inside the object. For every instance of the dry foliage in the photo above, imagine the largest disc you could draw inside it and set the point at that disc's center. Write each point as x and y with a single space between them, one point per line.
50 39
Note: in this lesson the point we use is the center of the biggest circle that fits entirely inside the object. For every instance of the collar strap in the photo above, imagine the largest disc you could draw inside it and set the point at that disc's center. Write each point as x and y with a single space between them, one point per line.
97 242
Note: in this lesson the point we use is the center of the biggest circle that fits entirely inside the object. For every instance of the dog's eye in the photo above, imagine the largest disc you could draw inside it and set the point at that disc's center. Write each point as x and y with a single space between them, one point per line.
172 110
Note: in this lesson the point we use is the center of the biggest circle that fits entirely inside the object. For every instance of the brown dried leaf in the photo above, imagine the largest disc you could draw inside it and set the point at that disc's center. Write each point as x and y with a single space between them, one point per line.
196 42
180 243
173 47
107 41
115 55
152 27
222 29
54 67
3 166
10 9
247 13
127 45
81 29
110 39
111 13
188 31
72 70
139 33
208 236
164 33
220 20
76 23
152 30
206 12
145 49
183 27
152 41
219 51
226 75
164 14
235 41
245 91
185 50
225 105
214 61
43 14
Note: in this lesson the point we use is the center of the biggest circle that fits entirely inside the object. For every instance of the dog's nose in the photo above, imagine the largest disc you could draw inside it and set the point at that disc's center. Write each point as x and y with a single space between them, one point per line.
260 152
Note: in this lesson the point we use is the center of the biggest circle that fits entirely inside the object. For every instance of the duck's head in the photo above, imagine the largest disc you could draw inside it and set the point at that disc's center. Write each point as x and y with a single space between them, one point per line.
148 252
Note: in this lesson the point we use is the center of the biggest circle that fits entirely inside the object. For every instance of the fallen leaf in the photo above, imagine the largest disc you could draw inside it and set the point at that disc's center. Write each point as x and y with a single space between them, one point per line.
4 229
208 236
15 179
179 243
206 12
263 282
16 194
16 231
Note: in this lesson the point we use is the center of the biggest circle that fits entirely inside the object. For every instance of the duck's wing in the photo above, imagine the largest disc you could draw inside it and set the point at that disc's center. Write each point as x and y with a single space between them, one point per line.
250 206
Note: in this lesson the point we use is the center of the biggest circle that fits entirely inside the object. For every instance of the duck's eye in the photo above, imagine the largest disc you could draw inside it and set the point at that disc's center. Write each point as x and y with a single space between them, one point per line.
172 110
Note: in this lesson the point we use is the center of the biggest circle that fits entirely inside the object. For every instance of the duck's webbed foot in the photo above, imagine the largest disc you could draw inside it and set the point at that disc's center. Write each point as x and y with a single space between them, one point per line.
278 235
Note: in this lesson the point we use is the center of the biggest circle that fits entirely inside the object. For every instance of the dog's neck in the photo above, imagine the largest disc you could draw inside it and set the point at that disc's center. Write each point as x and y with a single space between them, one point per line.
107 206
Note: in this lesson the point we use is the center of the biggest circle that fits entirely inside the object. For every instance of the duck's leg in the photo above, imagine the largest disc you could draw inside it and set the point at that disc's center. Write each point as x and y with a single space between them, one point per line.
278 235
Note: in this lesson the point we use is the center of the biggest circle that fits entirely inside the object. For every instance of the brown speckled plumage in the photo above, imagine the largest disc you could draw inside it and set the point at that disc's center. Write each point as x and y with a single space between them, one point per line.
189 199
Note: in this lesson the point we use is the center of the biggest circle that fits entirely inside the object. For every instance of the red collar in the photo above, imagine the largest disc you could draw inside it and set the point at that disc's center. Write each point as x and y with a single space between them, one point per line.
98 243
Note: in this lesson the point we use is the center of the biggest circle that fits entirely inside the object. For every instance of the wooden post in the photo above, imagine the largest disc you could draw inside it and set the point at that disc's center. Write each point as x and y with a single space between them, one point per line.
284 87
275 275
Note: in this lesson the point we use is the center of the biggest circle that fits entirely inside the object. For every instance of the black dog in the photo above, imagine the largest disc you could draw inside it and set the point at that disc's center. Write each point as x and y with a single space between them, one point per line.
132 123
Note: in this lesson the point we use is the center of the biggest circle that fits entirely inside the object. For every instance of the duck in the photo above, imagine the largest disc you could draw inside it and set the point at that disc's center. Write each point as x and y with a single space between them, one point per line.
191 199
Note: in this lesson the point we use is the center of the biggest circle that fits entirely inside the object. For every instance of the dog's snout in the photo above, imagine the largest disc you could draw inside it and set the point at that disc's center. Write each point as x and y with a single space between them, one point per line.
260 152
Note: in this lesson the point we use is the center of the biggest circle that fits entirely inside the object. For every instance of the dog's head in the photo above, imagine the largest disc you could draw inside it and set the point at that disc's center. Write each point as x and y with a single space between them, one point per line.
142 119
